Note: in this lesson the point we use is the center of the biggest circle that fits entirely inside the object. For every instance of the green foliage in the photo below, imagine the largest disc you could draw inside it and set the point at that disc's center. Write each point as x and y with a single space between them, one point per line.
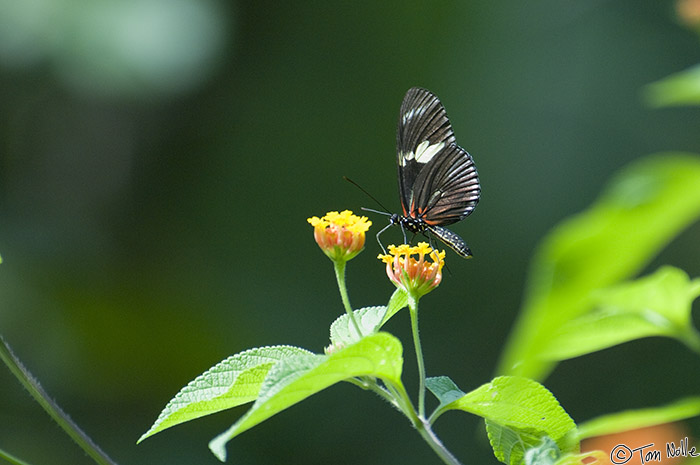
398 300
641 210
296 378
656 305
519 414
632 419
278 377
446 392
682 88
343 332
578 300
232 382
547 453
370 320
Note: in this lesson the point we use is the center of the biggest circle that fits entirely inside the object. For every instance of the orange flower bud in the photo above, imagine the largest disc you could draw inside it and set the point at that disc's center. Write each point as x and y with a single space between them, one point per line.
416 276
341 236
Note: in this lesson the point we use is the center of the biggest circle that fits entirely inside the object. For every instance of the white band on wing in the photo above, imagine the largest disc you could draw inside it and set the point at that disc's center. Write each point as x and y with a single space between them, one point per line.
423 154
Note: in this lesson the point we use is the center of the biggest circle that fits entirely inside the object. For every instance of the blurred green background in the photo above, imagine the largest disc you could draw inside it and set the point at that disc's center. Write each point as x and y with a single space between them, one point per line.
159 158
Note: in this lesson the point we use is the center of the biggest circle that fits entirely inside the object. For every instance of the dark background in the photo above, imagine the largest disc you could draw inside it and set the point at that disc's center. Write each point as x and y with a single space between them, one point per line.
158 161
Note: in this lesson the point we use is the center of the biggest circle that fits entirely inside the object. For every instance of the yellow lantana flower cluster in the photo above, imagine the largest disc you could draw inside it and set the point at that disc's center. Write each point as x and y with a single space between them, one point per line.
416 276
341 236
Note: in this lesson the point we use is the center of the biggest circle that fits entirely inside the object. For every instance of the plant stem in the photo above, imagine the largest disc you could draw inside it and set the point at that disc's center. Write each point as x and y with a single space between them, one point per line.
434 442
413 308
54 411
11 458
339 267
372 385
396 394
422 426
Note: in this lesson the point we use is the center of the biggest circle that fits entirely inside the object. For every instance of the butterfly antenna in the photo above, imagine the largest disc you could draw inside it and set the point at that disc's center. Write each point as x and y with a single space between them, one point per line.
386 210
375 211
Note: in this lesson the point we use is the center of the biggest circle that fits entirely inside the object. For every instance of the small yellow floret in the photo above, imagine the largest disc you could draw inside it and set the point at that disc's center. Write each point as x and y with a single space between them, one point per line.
346 219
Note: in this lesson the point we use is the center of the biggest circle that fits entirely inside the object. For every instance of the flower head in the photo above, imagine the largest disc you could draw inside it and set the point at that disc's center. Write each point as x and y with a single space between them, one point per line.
341 236
416 276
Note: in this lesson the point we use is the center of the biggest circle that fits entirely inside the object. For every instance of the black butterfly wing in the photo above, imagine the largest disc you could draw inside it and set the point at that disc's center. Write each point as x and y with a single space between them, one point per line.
438 182
423 131
446 189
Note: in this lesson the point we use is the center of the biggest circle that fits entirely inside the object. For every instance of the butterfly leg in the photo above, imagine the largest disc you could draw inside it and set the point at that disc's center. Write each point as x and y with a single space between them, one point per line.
430 241
379 233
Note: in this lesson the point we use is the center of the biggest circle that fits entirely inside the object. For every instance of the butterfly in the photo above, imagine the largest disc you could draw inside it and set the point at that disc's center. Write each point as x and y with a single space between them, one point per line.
438 182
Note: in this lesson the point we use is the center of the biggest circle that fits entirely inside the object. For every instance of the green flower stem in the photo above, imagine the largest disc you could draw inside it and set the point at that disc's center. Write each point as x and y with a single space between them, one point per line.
54 411
438 447
423 426
339 267
435 415
396 395
413 308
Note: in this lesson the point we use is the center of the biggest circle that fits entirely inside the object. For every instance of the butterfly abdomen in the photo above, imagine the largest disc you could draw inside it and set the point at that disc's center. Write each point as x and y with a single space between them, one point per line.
452 239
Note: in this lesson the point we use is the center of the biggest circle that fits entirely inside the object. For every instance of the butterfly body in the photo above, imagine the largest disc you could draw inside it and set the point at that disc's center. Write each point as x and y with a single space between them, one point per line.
438 182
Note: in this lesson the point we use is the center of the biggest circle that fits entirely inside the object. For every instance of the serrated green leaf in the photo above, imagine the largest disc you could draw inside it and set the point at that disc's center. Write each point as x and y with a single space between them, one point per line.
378 355
398 300
343 332
370 320
656 305
520 412
682 88
509 444
641 418
642 209
232 382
